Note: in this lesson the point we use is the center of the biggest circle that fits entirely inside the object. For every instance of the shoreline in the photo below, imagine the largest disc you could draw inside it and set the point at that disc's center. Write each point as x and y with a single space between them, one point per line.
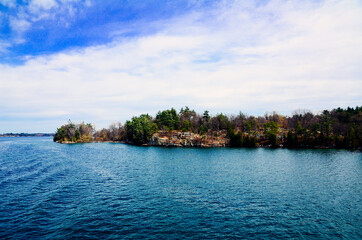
180 146
335 129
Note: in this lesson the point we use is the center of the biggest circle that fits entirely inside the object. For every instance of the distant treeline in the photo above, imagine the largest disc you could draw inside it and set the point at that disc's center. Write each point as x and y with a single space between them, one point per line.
338 128
26 135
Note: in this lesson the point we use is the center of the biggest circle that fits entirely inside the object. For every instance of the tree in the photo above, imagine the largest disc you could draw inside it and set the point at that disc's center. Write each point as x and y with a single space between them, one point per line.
250 141
236 140
168 119
223 121
206 117
186 126
140 129
292 140
271 129
299 129
74 133
205 123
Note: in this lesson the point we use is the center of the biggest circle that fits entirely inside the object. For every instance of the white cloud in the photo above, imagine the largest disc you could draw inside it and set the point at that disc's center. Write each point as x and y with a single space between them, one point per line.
32 11
19 25
280 56
36 5
3 46
8 3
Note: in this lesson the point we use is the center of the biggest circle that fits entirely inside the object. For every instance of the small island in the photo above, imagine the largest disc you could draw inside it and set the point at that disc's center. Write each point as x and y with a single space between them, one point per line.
338 128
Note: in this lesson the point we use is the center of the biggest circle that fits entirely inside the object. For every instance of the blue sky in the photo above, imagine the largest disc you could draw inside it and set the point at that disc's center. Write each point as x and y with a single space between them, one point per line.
46 26
106 61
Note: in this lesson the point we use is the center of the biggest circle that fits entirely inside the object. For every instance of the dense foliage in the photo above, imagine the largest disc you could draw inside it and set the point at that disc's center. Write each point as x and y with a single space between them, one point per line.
338 128
140 129
74 133
167 119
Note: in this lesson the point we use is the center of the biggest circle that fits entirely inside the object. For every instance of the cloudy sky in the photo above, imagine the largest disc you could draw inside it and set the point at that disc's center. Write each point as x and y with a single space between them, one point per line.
106 61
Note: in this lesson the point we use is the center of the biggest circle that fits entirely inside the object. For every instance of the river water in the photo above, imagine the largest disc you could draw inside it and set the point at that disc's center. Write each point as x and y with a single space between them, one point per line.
118 191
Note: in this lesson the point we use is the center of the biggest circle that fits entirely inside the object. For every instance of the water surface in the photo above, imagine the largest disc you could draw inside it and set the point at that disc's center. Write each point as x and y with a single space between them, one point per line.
113 191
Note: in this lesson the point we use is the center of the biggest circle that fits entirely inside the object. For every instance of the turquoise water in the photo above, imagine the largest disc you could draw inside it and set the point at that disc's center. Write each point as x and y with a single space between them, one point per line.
117 191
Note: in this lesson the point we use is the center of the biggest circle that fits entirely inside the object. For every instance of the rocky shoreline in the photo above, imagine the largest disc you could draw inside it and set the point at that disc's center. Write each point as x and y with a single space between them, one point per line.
175 139
190 140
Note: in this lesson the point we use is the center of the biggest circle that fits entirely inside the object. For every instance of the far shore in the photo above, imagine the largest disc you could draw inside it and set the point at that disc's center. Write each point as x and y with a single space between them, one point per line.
27 135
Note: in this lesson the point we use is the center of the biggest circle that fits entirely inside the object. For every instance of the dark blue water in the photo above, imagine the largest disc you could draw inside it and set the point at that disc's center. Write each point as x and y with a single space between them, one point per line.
116 191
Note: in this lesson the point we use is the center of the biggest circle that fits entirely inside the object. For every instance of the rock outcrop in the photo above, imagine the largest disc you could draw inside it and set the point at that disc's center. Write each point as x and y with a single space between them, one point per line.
188 139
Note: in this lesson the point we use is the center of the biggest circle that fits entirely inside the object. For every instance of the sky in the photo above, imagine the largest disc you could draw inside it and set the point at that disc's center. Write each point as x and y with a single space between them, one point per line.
105 61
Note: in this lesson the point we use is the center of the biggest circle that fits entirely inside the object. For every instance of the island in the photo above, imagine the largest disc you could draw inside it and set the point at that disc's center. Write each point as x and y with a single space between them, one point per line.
337 128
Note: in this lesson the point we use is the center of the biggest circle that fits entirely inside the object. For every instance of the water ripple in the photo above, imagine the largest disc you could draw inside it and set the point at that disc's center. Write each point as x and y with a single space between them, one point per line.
113 191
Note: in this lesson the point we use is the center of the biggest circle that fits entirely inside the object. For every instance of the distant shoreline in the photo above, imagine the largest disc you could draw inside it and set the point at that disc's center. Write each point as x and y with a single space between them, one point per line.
27 135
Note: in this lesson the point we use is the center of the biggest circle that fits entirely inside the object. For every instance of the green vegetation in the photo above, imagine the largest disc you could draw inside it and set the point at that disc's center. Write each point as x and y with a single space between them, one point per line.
270 131
338 128
167 119
140 129
74 133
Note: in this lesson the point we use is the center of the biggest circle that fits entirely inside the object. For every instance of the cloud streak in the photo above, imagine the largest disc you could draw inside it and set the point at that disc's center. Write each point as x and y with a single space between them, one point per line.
236 56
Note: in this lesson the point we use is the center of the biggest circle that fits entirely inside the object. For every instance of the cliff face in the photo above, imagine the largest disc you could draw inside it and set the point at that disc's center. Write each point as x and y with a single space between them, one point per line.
188 139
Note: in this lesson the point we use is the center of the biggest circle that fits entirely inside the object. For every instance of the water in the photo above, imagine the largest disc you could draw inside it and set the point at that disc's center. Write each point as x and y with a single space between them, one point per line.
116 191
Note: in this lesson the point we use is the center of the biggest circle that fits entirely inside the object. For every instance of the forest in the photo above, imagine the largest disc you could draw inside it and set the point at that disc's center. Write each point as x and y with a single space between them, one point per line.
337 128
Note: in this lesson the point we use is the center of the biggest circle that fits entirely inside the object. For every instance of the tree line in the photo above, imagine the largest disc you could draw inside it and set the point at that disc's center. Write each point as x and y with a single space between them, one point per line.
338 128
